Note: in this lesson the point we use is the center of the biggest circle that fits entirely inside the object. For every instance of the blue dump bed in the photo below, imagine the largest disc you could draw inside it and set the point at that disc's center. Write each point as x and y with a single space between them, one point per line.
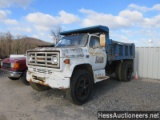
115 50
120 51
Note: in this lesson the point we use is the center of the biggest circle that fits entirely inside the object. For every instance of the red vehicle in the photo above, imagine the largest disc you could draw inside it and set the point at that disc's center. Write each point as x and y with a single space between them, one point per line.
0 62
15 68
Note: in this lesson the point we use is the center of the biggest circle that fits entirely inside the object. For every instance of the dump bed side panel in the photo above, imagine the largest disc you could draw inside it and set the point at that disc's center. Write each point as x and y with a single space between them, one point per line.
120 51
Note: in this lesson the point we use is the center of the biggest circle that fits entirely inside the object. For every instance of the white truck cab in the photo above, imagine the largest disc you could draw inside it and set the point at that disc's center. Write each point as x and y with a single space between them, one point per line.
75 63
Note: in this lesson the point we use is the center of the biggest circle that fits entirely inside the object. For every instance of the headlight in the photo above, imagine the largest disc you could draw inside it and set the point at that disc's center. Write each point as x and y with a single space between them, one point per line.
15 65
12 65
54 60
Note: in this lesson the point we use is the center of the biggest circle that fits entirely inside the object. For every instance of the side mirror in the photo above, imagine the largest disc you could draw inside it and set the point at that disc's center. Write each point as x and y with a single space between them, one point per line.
103 40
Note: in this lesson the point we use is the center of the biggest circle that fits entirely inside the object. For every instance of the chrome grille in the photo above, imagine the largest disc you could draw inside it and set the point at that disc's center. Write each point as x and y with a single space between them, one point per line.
42 71
43 59
6 65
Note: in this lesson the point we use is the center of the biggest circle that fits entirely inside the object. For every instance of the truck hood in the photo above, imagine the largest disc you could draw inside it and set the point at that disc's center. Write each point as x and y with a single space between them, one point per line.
64 51
52 48
13 60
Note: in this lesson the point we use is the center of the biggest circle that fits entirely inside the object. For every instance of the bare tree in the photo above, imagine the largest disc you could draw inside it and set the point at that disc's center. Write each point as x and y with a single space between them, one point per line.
55 33
9 42
21 44
16 44
5 44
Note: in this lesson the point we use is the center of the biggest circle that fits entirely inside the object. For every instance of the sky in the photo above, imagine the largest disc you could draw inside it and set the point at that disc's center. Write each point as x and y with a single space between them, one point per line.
136 21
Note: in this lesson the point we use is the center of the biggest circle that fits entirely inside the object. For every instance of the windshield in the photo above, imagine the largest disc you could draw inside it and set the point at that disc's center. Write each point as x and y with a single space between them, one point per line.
73 40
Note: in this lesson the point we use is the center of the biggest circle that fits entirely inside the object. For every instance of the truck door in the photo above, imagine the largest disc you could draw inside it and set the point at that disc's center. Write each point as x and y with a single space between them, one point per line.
97 53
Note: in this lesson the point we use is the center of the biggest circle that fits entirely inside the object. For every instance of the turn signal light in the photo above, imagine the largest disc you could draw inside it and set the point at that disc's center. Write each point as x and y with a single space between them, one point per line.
67 61
16 65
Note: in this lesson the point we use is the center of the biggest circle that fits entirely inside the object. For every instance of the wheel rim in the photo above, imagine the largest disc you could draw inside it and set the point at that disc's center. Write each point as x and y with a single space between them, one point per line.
83 88
129 72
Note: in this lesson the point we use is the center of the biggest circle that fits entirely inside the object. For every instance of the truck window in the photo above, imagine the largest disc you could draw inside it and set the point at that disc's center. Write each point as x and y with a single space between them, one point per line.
94 42
73 40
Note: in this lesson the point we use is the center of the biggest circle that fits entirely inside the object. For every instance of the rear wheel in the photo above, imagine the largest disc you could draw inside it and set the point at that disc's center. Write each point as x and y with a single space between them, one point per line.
127 70
80 88
118 71
39 87
23 78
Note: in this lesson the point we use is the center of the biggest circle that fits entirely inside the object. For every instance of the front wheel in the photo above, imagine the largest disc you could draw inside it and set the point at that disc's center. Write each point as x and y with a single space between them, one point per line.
39 87
80 88
23 78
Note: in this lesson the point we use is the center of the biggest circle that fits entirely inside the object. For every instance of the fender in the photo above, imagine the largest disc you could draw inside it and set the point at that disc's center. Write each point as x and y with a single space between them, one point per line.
69 69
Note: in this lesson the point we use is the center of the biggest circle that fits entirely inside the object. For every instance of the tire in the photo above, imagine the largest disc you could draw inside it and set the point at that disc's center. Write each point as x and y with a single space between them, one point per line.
127 70
39 87
13 78
110 68
80 88
118 71
23 78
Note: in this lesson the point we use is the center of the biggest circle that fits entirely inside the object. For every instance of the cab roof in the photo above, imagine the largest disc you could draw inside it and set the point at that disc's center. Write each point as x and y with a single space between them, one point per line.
93 29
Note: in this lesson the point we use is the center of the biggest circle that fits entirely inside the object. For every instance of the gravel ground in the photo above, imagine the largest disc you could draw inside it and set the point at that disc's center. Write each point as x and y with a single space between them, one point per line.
21 102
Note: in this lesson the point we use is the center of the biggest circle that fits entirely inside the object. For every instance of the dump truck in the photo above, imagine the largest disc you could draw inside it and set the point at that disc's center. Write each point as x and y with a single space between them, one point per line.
81 58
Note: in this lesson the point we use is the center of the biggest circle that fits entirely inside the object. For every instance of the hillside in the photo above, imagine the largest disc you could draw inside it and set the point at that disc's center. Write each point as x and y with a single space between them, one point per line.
26 43
33 41
19 45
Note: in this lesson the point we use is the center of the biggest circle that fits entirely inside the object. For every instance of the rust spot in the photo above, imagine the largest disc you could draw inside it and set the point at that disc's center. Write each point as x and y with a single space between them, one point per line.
30 80
39 82
62 88
103 77
40 58
96 53
42 83
29 72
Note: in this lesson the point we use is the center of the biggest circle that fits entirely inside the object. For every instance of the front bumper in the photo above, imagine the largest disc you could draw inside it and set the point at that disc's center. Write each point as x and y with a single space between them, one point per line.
12 74
55 80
